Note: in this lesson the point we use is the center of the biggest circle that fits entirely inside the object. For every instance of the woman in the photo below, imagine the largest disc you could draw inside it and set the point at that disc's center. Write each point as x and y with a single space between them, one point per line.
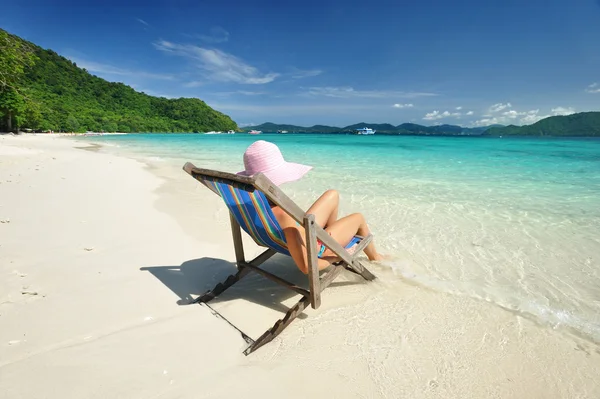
266 158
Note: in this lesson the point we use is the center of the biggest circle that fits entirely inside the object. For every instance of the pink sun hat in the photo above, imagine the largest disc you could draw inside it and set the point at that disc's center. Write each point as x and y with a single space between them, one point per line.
265 157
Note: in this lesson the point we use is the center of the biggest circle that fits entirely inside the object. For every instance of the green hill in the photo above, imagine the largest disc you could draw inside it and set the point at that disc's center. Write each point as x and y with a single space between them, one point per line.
324 129
54 94
412 128
381 128
583 124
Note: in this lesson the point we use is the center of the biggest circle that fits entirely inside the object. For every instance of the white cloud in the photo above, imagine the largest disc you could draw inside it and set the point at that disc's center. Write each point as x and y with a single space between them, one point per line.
218 65
349 92
106 69
239 92
522 117
250 93
402 105
431 116
435 115
563 111
529 117
293 109
501 113
486 122
216 35
499 107
193 83
304 73
512 114
141 21
593 88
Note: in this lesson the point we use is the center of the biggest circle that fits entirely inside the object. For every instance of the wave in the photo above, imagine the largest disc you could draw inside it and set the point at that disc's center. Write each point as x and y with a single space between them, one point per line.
541 314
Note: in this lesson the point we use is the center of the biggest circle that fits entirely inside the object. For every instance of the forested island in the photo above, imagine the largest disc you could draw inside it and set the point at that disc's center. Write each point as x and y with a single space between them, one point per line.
40 90
584 124
381 128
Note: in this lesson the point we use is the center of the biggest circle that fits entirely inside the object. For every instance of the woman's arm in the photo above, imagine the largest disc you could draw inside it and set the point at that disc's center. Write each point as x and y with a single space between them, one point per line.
295 241
297 248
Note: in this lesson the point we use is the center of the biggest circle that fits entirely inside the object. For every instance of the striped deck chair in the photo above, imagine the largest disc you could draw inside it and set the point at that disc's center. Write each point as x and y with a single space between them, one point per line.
247 199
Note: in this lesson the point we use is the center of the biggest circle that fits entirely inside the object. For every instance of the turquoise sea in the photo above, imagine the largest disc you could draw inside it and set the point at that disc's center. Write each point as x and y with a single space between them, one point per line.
513 221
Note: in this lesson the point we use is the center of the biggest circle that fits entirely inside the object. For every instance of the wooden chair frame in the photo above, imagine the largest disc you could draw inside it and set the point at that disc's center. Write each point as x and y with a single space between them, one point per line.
316 283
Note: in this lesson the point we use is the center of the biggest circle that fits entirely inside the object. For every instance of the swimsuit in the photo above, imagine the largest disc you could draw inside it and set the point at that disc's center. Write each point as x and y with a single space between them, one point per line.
321 247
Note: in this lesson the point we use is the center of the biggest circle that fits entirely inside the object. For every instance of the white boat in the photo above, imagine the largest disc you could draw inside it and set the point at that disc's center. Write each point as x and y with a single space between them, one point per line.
254 132
230 132
213 132
365 130
282 131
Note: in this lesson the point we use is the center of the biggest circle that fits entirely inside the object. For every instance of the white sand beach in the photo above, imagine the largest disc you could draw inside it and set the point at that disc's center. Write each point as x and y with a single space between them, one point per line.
99 255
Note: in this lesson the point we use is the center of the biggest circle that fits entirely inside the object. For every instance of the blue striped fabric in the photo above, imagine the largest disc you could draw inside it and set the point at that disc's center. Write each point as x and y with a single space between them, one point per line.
253 212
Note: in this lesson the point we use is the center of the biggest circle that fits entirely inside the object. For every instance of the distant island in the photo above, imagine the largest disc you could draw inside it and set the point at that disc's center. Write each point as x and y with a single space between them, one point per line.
381 128
40 90
584 124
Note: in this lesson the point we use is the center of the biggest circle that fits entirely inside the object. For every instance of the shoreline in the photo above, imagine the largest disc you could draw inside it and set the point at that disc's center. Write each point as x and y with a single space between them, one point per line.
156 238
550 315
481 136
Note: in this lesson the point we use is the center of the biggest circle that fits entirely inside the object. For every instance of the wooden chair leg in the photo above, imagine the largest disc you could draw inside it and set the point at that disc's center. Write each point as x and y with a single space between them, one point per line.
238 245
314 284
360 269
279 326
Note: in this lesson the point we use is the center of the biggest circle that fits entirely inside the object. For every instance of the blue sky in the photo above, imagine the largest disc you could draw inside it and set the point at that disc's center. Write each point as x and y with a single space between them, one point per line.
337 62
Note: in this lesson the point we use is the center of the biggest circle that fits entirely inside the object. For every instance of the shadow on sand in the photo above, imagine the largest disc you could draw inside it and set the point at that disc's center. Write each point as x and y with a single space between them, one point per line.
195 277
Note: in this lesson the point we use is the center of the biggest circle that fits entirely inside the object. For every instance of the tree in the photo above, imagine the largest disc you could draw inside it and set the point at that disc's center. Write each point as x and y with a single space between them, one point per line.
12 106
33 117
72 123
15 57
111 127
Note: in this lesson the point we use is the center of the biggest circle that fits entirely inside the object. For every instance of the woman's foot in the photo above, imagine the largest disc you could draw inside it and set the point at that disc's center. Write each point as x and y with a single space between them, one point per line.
379 257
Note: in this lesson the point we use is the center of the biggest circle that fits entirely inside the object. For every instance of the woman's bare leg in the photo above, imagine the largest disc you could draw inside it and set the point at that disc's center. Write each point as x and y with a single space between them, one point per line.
325 208
344 229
